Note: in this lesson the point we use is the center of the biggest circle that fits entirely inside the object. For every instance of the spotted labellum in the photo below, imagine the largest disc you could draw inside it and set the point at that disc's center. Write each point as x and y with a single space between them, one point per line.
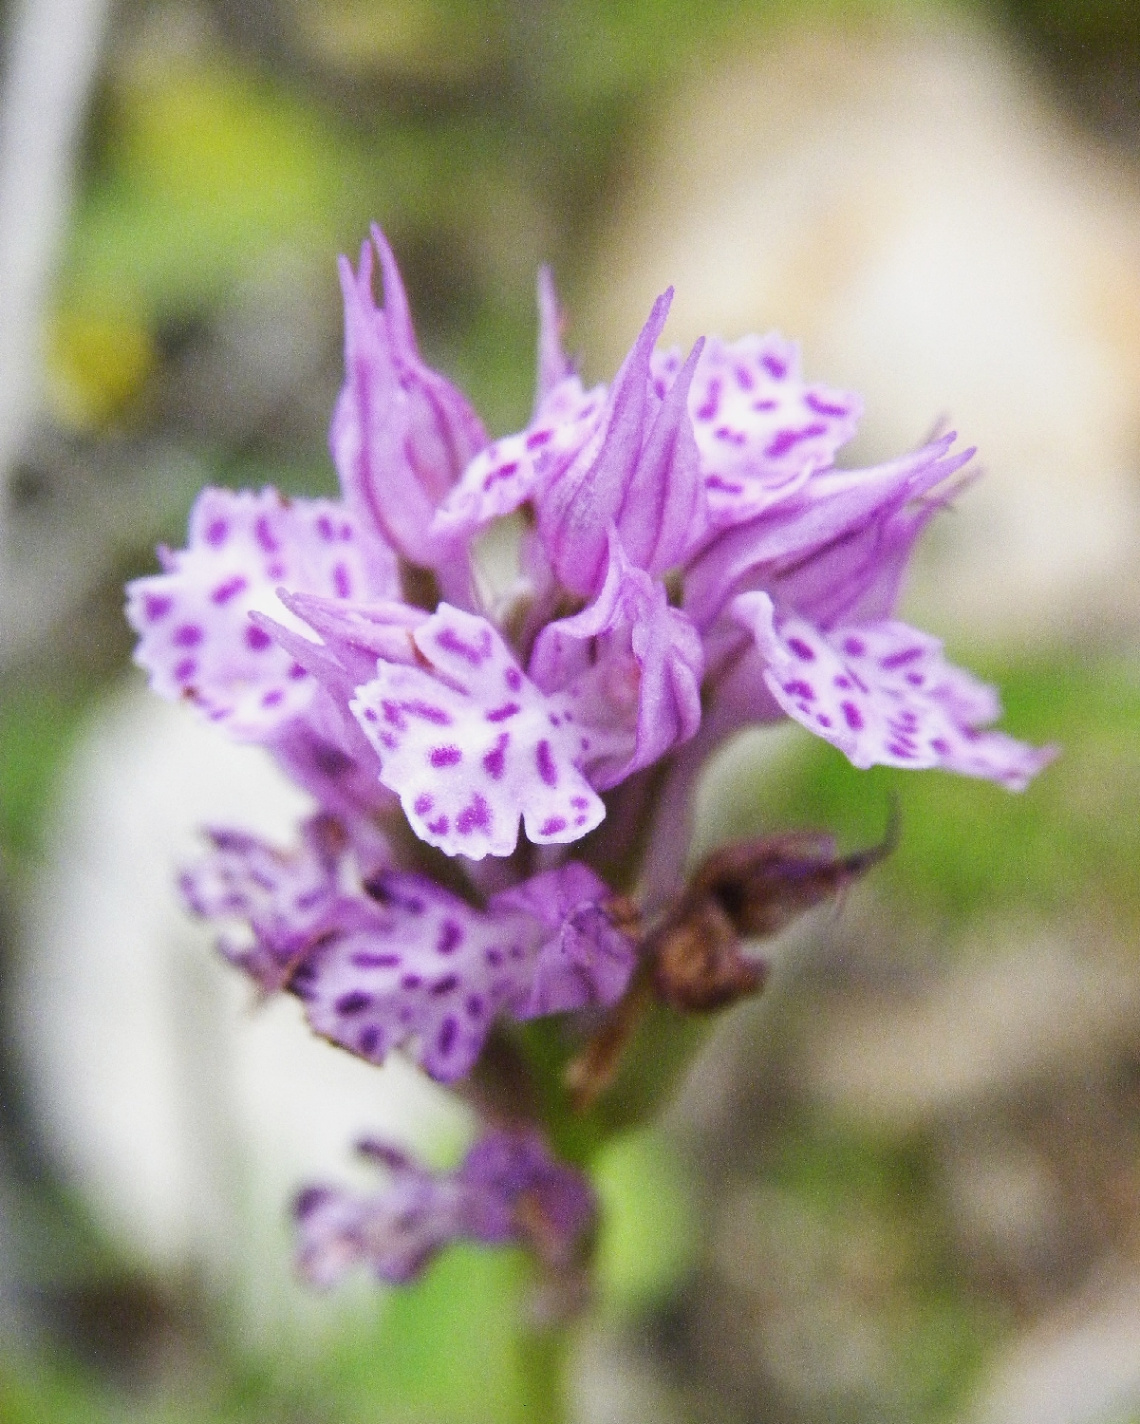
499 789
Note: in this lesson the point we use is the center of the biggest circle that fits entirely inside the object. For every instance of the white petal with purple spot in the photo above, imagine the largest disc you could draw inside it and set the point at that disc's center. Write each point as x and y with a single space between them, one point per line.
885 696
428 974
759 429
196 639
509 471
470 744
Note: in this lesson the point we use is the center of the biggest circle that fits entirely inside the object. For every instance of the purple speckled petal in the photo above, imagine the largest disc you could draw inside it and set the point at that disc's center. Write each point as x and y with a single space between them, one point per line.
286 900
401 434
510 471
509 1188
470 743
639 473
196 638
424 971
759 429
883 694
831 505
631 668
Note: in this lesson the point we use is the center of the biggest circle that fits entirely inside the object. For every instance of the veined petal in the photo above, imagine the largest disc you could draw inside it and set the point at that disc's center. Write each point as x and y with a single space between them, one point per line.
856 578
444 431
831 505
357 634
630 667
759 429
401 434
639 473
664 512
554 366
585 959
371 422
470 743
883 694
196 638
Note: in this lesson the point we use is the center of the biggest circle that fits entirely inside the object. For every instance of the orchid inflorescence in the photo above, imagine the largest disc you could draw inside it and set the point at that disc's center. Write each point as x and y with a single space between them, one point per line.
689 561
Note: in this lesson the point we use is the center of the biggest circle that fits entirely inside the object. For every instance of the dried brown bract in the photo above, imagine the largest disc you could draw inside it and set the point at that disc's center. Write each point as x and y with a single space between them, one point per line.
749 890
694 959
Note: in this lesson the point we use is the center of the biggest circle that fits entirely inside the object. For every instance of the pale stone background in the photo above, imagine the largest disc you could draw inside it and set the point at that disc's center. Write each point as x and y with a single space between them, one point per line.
903 200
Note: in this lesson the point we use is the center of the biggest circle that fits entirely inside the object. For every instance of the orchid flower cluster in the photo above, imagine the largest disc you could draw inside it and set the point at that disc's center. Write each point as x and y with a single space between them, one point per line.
685 560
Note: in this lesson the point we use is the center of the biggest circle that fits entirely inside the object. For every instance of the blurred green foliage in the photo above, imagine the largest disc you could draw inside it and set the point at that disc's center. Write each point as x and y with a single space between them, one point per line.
204 170
445 1348
38 725
860 1224
649 1231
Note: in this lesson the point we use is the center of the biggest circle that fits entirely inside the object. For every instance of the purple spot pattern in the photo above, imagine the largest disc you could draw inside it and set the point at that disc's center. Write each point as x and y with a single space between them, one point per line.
273 905
241 547
759 429
485 771
408 965
883 693
640 476
510 471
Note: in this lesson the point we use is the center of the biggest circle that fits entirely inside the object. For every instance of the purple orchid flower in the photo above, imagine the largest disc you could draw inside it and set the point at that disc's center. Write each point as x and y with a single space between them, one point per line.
692 561
384 958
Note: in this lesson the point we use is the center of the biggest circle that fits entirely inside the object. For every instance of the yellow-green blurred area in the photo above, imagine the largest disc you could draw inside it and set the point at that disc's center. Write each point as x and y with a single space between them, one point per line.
904 1185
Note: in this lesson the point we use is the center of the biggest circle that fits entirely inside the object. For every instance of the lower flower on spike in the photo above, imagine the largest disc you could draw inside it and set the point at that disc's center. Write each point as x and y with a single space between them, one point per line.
397 961
509 1189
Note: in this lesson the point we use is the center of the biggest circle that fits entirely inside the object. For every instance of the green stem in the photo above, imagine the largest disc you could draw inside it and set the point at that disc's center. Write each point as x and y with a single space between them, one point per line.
543 1357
